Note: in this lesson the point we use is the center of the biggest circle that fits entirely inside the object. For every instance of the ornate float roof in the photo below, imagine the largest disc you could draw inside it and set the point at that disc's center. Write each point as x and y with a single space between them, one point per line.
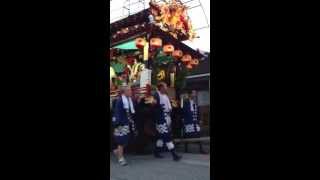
137 25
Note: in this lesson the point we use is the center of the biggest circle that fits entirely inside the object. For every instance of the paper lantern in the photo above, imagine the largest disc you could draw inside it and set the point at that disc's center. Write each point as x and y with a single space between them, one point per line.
168 49
194 62
140 42
177 54
186 59
155 42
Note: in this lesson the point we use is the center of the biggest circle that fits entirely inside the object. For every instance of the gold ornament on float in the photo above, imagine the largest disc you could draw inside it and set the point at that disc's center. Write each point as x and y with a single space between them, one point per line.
161 75
146 52
112 73
172 79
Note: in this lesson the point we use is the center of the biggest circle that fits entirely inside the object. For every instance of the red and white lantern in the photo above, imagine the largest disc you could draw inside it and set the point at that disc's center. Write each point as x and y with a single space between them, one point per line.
194 62
155 43
168 49
140 43
177 54
186 59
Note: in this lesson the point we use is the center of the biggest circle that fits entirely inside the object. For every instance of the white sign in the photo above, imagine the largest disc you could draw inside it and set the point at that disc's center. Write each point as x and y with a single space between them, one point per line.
145 77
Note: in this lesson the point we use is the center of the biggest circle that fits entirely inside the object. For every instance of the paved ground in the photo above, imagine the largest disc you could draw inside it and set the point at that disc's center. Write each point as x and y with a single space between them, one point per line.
191 167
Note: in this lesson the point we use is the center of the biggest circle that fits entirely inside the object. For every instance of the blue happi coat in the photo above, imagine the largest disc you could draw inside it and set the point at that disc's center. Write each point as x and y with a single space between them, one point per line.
191 120
163 130
123 123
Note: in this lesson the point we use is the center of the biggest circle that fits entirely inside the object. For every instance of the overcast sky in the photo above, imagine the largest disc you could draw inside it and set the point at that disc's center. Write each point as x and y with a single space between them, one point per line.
196 14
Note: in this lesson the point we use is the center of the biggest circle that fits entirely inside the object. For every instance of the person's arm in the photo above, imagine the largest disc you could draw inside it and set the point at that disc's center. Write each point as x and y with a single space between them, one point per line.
184 108
117 111
157 99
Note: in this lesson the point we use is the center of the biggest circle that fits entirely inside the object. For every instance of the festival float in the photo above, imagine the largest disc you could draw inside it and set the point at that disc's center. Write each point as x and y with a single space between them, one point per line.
147 48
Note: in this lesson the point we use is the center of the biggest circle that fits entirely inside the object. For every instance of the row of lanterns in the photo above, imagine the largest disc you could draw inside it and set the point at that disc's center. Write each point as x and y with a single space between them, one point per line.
168 49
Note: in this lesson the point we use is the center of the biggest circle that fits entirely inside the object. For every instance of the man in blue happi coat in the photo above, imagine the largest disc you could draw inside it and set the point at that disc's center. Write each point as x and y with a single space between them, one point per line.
191 118
190 111
123 122
162 117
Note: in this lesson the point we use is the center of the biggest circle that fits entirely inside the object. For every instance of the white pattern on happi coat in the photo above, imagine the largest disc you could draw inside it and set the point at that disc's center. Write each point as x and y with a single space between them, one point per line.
121 131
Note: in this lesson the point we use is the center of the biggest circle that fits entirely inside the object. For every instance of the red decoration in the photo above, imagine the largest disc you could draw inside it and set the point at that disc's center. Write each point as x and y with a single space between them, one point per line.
140 43
126 71
130 60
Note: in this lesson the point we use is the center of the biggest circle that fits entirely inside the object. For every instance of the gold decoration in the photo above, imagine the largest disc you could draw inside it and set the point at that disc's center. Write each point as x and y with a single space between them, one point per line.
161 75
172 17
146 52
112 73
172 79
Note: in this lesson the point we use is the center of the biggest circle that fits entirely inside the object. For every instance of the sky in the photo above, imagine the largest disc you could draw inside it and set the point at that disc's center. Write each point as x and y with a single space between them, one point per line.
196 14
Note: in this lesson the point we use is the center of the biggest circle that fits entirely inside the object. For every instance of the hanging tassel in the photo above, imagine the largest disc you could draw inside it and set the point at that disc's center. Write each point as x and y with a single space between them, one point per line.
172 79
146 52
181 101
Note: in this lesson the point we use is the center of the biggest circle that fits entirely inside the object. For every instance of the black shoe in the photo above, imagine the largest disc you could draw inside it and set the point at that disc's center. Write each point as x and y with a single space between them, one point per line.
157 155
175 156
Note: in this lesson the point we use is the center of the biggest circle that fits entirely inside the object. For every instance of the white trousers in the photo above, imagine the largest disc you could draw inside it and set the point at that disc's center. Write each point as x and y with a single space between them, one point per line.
169 145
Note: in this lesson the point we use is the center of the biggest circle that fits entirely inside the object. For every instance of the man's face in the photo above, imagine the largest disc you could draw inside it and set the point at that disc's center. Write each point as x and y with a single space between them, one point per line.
128 92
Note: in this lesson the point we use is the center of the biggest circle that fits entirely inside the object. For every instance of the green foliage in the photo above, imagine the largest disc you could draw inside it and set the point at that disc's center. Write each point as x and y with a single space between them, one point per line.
118 67
162 59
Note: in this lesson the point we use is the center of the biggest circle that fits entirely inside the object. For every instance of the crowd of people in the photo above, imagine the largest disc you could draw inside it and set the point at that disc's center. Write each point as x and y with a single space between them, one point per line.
125 121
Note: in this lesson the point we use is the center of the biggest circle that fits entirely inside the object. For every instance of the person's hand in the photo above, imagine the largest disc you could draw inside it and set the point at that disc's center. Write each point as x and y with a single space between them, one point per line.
154 101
